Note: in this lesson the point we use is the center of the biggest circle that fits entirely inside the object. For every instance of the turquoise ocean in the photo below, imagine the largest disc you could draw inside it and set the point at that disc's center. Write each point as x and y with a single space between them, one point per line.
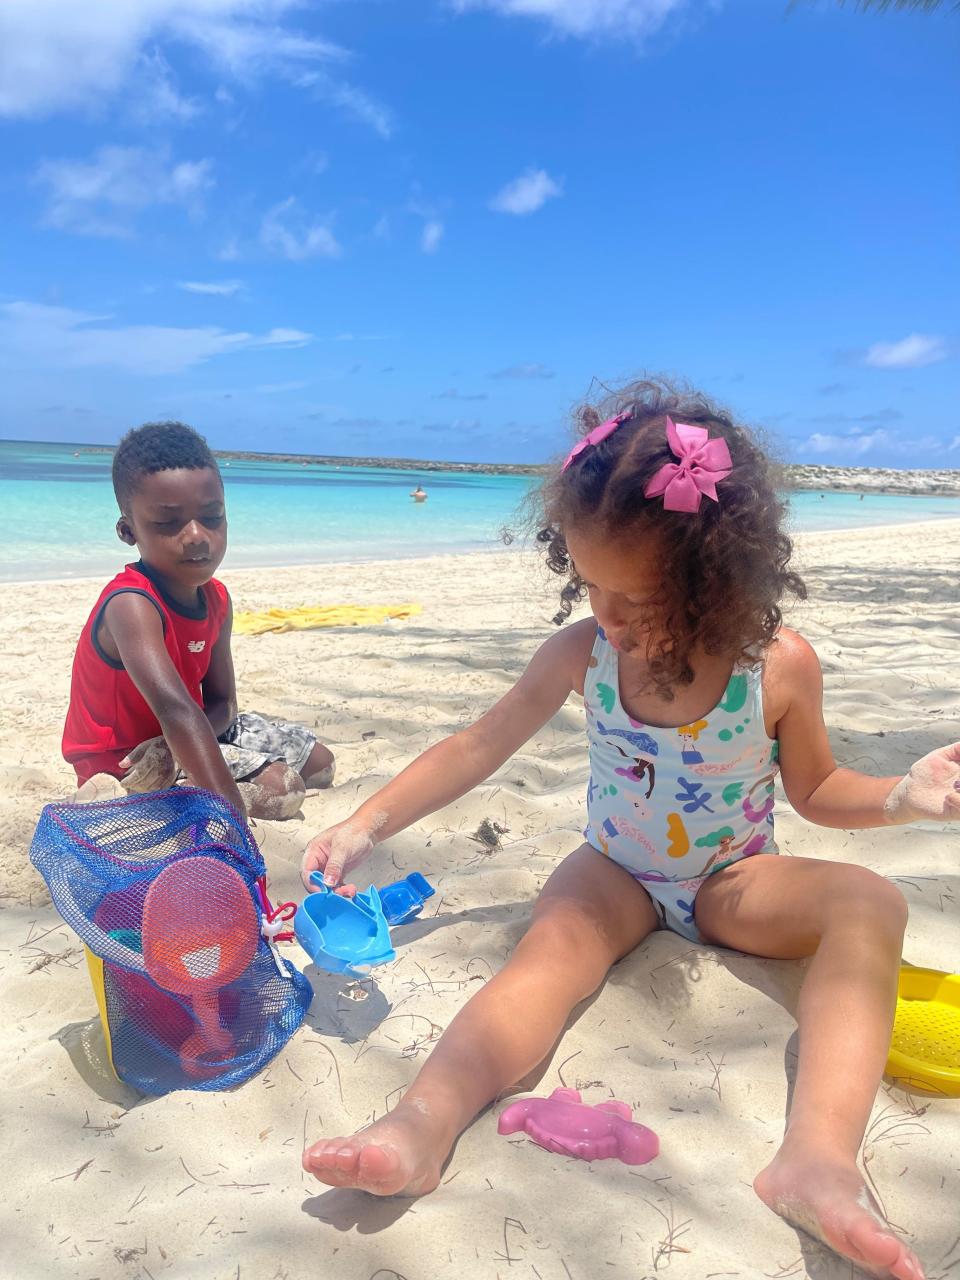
57 512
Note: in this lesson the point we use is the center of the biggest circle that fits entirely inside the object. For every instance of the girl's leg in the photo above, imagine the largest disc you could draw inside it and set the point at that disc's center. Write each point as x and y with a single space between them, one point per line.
589 914
851 922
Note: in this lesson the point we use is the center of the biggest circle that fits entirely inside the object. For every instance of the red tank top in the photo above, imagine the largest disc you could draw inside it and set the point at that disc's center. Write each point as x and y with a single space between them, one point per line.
108 714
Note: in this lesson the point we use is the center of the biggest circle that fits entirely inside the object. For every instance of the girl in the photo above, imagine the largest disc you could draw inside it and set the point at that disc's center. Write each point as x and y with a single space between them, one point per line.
665 515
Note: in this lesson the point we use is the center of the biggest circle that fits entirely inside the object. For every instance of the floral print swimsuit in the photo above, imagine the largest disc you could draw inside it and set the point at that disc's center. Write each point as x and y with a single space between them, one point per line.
674 806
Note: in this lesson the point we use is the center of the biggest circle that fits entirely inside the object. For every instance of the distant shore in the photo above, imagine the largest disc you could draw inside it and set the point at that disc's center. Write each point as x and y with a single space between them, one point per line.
383 464
942 483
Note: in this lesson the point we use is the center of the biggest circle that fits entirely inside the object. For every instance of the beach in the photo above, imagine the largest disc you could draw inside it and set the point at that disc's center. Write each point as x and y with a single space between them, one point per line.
99 1182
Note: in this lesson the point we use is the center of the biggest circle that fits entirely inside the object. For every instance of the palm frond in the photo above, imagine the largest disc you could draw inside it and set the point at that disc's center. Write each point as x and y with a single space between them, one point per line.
926 6
879 6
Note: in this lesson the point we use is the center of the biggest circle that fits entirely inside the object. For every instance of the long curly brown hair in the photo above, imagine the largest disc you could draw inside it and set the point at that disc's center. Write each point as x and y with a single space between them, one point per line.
728 563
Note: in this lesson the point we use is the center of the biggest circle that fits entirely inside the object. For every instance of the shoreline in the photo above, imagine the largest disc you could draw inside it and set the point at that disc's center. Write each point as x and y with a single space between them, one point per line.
798 477
799 540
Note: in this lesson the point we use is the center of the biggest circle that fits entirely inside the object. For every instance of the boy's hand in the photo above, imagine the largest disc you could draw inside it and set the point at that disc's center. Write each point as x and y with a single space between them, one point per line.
149 767
931 790
335 851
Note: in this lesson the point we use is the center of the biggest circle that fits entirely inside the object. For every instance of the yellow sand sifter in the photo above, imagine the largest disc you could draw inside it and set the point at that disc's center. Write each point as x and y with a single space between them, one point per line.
925 1051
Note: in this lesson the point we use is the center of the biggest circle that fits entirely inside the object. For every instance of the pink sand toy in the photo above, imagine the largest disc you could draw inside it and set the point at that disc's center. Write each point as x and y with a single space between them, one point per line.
569 1127
200 932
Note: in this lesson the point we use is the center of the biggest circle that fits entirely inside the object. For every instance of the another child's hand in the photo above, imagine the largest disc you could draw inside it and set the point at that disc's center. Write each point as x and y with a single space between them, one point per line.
149 767
931 790
334 852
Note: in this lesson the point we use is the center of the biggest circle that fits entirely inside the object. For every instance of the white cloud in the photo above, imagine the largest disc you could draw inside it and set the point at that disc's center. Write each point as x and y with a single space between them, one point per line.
909 353
214 288
633 19
459 426
61 54
858 444
526 194
852 445
858 421
315 162
954 444
283 338
431 236
529 371
286 232
59 337
351 100
154 95
101 196
246 48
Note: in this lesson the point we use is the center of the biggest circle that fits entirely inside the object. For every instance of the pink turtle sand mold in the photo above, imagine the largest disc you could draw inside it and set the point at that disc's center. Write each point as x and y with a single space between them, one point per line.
569 1127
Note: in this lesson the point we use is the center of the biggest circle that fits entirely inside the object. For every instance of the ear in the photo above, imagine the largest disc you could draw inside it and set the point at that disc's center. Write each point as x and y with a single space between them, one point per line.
125 532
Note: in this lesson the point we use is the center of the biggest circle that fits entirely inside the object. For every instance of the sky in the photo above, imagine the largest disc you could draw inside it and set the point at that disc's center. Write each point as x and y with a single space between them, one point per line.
429 228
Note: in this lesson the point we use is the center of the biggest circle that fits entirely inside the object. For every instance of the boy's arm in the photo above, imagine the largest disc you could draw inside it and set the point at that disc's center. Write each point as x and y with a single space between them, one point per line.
831 796
136 629
220 684
458 763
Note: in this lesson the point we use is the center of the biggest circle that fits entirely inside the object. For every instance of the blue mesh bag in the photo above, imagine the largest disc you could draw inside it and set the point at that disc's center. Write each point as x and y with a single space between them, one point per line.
167 893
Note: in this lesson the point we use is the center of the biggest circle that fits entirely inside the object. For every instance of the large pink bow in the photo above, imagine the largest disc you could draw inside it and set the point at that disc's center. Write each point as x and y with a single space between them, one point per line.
703 464
595 436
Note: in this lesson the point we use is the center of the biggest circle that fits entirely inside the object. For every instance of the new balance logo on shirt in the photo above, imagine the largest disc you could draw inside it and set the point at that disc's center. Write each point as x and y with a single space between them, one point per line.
196 646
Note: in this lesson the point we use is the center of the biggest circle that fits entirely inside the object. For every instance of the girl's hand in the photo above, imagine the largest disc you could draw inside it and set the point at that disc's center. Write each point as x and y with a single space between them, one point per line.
334 852
931 790
149 767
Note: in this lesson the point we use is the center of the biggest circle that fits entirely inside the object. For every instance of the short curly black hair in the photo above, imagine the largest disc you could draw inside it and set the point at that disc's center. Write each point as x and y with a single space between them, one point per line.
157 446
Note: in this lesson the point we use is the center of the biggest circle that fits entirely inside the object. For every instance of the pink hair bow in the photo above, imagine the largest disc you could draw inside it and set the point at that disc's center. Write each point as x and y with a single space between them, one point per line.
595 436
703 464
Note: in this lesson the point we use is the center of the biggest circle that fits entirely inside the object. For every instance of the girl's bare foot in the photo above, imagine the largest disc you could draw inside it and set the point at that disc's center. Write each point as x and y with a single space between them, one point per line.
819 1191
402 1154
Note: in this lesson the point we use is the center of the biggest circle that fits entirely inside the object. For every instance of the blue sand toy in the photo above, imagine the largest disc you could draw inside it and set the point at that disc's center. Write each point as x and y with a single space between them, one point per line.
403 901
343 935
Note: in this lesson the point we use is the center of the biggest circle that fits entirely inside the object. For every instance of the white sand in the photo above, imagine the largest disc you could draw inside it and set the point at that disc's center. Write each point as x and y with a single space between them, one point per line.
99 1183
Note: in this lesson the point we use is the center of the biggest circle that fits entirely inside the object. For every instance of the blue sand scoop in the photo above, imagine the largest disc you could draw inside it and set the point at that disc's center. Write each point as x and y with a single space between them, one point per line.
403 901
343 935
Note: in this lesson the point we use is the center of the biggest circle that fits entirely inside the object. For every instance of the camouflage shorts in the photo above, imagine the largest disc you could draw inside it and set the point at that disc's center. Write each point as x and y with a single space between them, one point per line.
254 740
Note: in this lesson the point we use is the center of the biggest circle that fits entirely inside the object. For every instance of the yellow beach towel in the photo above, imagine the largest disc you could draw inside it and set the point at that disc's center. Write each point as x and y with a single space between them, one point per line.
307 617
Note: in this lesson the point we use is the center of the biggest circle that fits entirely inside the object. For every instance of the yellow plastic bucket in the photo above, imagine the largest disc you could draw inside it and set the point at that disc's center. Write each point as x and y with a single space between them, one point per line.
95 967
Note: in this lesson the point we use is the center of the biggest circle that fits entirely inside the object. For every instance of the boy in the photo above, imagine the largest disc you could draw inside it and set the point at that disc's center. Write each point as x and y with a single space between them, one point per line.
153 688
